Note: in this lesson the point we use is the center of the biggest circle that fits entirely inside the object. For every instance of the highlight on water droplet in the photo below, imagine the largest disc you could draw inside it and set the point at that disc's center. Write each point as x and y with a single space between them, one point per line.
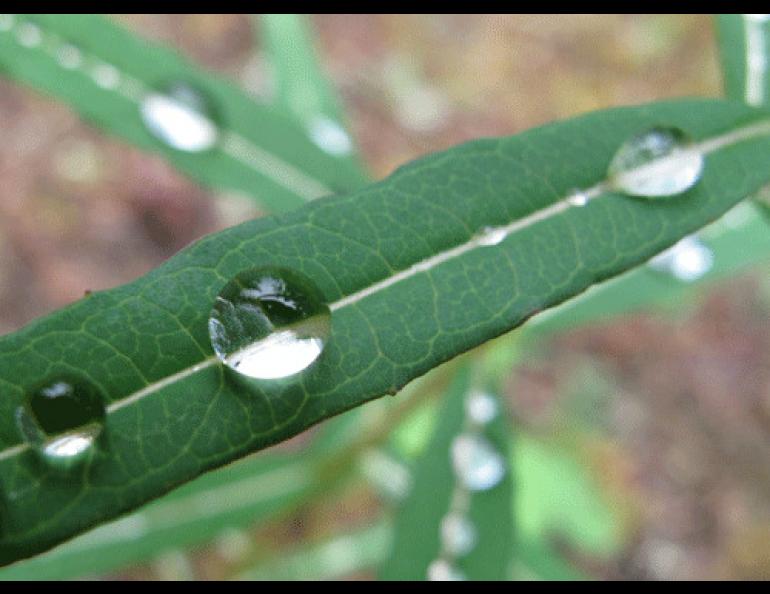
106 76
180 116
476 462
442 570
578 198
658 163
687 260
69 57
29 34
269 323
481 407
458 534
492 235
62 419
758 18
329 136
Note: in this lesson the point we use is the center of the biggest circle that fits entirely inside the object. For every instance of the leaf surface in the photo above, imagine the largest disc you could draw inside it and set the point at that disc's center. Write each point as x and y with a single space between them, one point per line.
410 282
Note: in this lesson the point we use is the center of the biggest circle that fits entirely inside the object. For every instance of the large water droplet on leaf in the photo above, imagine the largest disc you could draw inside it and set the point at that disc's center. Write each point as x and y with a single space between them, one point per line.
476 462
62 419
658 163
458 534
180 116
269 323
687 260
442 570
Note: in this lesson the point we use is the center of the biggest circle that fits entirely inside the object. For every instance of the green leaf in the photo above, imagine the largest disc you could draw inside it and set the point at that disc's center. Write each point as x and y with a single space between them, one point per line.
301 86
260 151
331 559
556 495
243 493
437 491
409 282
737 241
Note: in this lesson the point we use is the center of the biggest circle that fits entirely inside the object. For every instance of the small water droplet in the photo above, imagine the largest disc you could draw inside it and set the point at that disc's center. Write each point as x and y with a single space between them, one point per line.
62 420
330 136
492 235
688 260
180 117
269 323
6 22
656 164
29 35
578 198
481 407
69 57
458 534
476 462
106 76
441 570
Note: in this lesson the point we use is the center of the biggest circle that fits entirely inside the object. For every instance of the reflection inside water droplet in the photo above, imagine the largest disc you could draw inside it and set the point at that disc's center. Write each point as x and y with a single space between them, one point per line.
578 198
458 534
62 419
658 163
481 407
269 323
688 260
441 570
330 136
476 462
180 117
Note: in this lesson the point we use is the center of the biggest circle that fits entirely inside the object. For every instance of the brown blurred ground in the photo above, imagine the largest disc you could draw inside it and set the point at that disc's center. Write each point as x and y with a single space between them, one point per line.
686 435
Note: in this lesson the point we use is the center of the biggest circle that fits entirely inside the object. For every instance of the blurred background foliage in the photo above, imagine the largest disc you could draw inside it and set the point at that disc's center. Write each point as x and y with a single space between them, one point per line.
638 442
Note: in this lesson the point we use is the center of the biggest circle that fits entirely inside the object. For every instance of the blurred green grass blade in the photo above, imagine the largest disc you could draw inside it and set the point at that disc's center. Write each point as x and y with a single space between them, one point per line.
240 494
300 85
334 558
744 52
260 151
409 278
738 241
416 540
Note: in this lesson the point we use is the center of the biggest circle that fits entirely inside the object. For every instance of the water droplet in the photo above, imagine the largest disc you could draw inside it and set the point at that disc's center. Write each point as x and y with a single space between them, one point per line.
687 260
106 76
441 570
476 462
180 117
69 57
481 407
6 22
492 235
29 35
758 18
330 136
656 164
458 534
578 198
269 323
62 420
